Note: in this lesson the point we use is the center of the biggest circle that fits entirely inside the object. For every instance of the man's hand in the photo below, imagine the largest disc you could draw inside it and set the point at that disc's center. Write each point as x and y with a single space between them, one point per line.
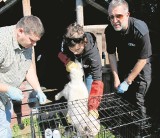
42 97
15 93
123 87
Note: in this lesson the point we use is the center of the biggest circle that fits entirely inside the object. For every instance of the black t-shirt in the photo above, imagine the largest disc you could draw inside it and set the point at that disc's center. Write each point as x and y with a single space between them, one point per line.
131 45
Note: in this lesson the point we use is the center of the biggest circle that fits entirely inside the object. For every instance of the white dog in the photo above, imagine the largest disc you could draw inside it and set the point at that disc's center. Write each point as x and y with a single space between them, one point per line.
76 94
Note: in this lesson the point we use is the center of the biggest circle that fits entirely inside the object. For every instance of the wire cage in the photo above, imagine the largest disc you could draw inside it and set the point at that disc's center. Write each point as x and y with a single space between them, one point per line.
117 118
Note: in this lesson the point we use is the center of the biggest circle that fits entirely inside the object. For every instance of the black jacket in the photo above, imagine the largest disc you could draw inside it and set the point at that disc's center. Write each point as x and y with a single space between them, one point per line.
90 58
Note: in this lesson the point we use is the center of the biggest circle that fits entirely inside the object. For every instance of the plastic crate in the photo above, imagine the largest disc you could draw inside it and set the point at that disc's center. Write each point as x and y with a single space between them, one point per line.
118 119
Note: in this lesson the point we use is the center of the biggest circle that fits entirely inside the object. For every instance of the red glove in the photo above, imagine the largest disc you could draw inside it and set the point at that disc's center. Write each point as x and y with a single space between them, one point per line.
95 95
63 58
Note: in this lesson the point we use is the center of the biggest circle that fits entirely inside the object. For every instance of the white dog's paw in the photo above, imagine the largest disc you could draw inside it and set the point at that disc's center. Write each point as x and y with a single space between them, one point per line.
57 97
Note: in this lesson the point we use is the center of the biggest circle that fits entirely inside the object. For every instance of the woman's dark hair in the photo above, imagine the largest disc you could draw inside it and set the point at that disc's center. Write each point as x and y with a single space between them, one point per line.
74 35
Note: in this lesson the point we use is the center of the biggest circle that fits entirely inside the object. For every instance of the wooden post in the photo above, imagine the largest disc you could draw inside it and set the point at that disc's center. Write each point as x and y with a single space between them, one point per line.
79 12
26 7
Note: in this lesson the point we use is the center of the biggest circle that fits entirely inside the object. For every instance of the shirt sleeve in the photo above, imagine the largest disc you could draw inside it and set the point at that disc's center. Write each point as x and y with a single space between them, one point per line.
96 65
146 50
2 54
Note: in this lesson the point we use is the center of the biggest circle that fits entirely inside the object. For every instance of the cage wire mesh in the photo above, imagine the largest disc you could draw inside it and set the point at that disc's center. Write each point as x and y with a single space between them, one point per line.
117 118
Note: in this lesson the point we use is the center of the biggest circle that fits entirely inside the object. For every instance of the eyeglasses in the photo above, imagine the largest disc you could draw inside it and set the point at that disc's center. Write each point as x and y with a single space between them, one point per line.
71 42
117 16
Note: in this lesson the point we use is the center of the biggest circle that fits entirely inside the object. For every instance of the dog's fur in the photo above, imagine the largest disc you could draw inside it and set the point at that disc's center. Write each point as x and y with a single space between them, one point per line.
76 94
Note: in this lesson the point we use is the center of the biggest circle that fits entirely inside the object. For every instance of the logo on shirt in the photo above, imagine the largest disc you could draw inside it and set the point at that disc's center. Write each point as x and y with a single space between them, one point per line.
86 66
131 44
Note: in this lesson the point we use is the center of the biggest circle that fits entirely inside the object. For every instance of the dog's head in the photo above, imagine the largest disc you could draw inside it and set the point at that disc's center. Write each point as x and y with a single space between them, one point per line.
77 72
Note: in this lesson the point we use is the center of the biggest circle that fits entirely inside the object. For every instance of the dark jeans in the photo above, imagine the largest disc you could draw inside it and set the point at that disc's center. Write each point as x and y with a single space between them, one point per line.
136 93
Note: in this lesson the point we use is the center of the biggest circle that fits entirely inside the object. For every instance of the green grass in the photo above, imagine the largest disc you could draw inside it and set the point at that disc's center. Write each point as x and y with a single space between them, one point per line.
26 132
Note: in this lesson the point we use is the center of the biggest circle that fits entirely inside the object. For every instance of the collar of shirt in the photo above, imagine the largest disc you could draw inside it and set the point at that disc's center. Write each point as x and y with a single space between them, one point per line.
14 39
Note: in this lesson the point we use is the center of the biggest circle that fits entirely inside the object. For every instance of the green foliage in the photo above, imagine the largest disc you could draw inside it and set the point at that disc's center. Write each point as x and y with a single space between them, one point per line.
26 121
105 133
16 131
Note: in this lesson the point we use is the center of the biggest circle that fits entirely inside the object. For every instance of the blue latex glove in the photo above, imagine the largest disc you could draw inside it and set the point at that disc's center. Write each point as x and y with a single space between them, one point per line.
15 93
123 87
42 97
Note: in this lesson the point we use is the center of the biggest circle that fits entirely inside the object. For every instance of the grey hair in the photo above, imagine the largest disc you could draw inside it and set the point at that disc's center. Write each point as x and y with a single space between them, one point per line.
116 3
31 24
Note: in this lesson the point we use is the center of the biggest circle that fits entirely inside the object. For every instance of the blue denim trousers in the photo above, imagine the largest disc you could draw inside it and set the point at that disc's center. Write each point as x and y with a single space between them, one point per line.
88 81
5 119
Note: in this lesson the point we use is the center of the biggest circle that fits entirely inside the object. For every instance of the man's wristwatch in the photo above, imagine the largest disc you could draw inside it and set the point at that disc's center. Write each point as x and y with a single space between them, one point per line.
128 82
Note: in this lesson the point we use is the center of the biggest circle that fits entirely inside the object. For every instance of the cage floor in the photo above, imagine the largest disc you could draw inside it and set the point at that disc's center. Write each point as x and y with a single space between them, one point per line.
117 119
